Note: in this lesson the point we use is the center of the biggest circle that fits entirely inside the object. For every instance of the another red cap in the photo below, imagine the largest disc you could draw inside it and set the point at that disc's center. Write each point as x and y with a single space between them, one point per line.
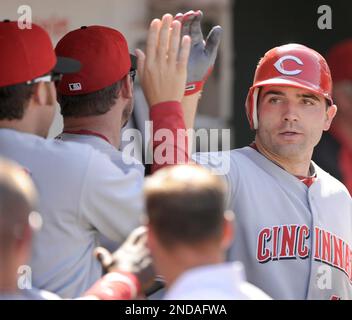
26 54
103 53
340 62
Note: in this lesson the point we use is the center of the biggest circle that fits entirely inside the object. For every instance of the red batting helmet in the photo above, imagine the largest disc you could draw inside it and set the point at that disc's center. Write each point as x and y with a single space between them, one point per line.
292 65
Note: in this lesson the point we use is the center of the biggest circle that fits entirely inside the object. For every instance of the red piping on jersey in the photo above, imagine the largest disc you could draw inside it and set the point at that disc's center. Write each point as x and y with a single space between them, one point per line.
87 133
308 181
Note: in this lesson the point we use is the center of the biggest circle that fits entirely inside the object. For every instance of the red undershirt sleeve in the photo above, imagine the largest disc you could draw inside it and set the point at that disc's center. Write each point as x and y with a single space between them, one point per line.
169 136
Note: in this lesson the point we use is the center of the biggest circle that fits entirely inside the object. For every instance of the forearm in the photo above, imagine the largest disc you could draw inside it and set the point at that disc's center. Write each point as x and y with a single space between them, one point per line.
115 285
169 136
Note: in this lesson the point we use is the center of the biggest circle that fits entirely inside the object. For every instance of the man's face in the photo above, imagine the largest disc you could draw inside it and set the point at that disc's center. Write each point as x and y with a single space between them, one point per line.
291 120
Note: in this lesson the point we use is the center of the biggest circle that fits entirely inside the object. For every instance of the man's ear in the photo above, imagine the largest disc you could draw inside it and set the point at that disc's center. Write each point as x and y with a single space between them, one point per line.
330 114
126 90
39 93
228 231
44 93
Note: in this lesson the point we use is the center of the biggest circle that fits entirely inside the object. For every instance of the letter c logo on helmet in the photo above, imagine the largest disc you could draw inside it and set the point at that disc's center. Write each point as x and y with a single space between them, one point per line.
278 65
292 65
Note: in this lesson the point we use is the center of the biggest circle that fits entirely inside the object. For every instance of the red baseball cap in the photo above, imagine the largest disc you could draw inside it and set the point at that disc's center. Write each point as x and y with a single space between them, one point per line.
26 54
103 53
339 60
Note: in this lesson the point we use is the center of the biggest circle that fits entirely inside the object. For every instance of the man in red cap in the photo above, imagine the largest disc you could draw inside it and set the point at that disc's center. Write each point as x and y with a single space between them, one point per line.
334 152
83 194
294 220
29 65
97 101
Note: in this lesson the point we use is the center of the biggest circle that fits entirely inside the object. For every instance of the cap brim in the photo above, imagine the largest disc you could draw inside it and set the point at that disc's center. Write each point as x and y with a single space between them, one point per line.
133 61
66 65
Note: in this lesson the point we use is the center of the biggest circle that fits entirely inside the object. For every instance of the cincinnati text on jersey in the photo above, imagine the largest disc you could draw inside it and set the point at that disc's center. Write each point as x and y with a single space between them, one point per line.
293 241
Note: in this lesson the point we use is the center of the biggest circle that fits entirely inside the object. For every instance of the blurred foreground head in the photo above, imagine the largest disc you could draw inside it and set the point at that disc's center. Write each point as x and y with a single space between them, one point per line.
18 201
188 224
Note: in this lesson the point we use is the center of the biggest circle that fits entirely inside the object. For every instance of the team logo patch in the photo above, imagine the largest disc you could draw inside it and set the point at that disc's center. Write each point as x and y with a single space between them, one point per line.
279 65
75 86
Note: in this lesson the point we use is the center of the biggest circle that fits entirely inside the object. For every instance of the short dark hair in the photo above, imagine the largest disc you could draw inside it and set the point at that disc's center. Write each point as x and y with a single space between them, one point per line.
14 100
90 104
185 204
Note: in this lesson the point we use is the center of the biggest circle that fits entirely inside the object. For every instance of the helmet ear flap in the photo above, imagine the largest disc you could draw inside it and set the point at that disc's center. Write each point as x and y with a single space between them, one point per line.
255 108
252 107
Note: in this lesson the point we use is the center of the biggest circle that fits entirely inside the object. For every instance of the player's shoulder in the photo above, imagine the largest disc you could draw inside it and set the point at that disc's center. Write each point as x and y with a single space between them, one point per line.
39 145
216 158
66 155
232 164
330 183
68 147
217 154
69 155
123 162
84 157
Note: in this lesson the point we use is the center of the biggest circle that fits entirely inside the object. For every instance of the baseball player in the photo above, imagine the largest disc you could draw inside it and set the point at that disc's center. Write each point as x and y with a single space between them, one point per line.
97 101
82 192
294 220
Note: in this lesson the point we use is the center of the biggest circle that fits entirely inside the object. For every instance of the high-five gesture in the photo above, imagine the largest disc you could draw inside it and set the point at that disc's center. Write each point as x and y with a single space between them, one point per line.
162 70
203 53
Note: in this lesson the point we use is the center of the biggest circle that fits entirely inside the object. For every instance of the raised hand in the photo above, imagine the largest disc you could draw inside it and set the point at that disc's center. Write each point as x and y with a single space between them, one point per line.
162 69
203 53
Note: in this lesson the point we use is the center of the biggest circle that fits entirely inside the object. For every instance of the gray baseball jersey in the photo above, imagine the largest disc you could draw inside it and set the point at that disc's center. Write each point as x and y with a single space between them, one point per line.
115 155
105 147
82 194
294 241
